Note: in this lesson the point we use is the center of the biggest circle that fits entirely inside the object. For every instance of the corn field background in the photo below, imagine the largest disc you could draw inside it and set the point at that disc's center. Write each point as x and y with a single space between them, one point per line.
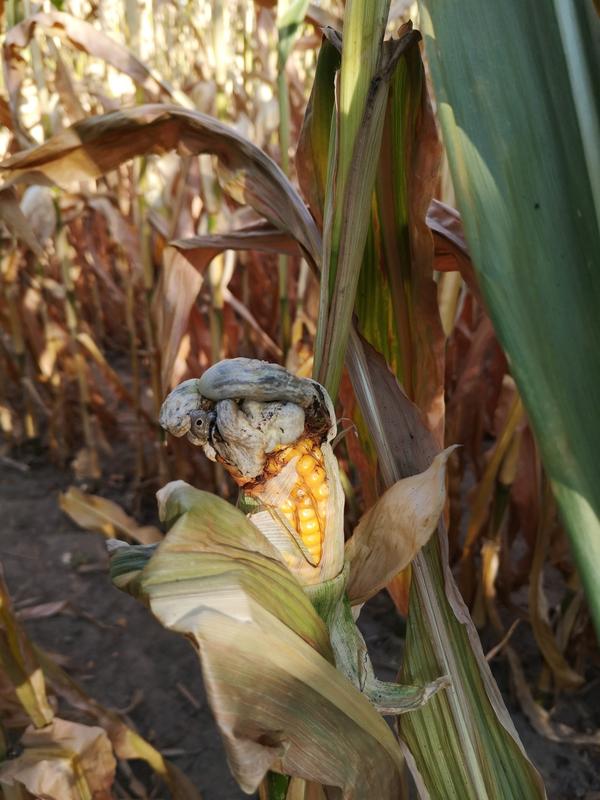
94 332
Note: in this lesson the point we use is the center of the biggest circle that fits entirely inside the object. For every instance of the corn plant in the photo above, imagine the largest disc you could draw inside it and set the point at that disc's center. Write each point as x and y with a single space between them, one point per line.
367 164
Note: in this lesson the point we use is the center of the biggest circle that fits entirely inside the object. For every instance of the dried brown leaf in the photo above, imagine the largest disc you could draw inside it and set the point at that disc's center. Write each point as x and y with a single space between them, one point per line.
391 533
63 761
97 145
451 252
99 514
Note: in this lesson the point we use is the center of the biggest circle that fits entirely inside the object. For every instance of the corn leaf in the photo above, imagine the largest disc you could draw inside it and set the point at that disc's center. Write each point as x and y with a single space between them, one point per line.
97 145
391 533
463 742
99 514
265 653
62 761
20 665
523 149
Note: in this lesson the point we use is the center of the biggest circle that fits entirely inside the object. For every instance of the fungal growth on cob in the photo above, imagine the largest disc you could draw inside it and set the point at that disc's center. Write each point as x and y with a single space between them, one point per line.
272 432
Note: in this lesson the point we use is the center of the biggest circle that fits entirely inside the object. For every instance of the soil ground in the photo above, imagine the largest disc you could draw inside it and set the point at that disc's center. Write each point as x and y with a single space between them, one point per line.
126 660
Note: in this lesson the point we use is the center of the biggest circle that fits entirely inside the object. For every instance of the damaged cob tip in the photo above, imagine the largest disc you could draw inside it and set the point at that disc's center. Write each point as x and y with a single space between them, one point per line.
272 431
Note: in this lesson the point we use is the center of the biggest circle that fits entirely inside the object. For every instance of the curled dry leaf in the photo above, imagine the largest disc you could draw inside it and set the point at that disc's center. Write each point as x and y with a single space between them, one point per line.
179 283
97 145
99 514
62 761
392 532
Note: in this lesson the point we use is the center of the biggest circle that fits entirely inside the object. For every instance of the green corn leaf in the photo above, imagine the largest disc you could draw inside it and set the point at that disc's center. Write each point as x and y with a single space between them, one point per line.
266 658
351 178
518 88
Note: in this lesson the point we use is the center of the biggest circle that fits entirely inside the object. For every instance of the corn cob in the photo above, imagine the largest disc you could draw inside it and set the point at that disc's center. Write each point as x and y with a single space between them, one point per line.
305 507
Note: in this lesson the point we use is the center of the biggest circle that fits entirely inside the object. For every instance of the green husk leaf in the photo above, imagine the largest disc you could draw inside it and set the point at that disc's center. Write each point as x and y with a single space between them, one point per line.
265 653
523 150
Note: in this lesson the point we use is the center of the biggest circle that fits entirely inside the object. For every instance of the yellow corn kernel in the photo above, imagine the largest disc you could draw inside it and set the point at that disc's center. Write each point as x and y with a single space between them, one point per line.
305 509
322 491
315 478
309 526
313 544
305 466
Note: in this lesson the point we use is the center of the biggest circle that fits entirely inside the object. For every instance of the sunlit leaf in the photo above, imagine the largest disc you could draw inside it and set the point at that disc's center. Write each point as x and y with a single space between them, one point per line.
265 653
97 145
523 152
62 761
99 514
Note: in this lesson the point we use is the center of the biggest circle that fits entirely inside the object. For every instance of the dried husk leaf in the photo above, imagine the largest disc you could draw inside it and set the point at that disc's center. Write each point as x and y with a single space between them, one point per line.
391 533
265 653
63 761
